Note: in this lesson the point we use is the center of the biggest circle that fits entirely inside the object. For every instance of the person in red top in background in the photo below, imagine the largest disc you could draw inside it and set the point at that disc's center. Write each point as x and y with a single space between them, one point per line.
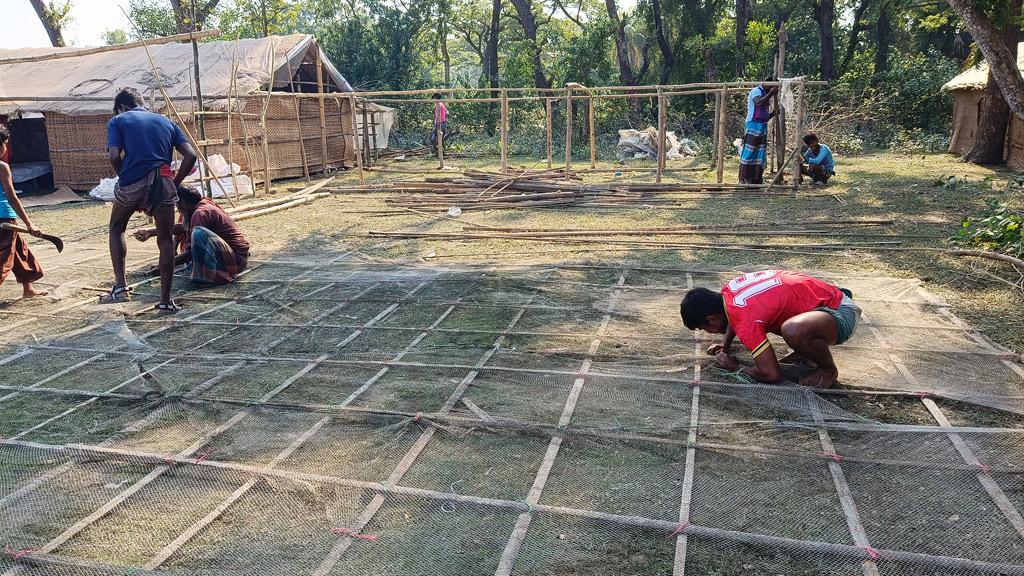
810 315
440 120
212 244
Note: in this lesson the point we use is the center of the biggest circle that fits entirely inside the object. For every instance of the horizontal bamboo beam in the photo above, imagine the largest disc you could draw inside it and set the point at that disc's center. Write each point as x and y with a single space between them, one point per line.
186 37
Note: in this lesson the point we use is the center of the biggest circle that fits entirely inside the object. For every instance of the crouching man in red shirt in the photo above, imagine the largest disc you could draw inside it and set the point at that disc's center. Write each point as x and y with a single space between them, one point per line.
811 315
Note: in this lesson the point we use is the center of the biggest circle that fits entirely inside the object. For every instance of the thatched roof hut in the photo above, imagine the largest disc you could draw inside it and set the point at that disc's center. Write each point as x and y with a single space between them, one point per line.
64 96
967 88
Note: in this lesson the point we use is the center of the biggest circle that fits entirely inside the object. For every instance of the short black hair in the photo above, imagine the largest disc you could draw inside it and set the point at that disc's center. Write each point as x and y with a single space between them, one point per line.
698 304
437 96
128 98
5 134
188 196
810 137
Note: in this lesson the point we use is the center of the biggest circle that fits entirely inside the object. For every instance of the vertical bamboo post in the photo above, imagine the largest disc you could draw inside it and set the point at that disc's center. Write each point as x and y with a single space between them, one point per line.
593 137
373 136
547 122
366 137
232 87
205 173
504 131
722 116
780 113
352 117
661 133
714 130
298 123
323 111
798 129
263 121
568 130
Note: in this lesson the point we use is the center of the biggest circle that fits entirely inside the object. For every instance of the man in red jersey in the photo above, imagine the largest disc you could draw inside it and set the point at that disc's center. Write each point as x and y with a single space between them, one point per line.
810 315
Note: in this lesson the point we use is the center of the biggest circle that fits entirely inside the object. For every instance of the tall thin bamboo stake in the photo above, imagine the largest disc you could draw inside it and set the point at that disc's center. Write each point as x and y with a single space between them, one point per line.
366 137
323 111
780 115
359 153
798 129
547 122
373 136
201 119
568 131
298 123
174 110
232 90
263 122
504 131
661 134
722 116
593 137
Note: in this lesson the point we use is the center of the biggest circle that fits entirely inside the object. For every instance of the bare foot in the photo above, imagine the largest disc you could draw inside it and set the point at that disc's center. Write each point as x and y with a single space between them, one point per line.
791 358
31 292
821 379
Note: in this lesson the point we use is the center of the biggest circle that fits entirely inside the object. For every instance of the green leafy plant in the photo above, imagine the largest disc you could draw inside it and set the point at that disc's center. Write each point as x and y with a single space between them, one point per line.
999 229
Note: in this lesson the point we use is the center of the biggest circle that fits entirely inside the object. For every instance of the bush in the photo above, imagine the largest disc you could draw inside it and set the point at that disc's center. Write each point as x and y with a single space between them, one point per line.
998 229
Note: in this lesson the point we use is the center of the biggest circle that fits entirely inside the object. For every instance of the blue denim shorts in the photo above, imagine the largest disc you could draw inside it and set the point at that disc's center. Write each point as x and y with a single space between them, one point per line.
847 316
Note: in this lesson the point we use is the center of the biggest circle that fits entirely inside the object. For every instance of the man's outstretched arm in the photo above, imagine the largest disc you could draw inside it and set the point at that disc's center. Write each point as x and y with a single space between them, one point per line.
765 369
725 345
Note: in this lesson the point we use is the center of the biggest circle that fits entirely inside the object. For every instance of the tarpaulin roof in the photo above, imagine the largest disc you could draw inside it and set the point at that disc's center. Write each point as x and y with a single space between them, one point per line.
976 77
86 85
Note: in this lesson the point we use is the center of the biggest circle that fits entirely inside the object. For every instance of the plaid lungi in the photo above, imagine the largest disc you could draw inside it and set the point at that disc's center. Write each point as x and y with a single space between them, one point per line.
16 257
148 194
752 157
213 260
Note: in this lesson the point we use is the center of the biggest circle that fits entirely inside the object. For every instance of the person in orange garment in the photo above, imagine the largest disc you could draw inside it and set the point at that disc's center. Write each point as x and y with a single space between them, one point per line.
14 253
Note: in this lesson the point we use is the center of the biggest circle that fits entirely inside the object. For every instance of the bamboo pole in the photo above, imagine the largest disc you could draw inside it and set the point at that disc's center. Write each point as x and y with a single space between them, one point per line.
720 144
263 122
323 111
504 132
366 137
593 136
198 35
568 129
232 90
547 125
661 135
352 117
298 124
798 130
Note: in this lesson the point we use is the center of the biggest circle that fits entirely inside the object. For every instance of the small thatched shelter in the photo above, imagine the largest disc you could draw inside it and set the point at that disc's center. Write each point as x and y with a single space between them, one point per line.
60 99
967 89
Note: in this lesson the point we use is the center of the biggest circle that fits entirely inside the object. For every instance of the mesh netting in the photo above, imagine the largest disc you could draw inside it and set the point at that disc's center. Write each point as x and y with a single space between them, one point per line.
332 417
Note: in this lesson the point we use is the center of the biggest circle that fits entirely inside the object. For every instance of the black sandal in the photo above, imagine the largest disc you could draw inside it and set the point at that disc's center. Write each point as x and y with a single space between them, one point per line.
167 308
117 294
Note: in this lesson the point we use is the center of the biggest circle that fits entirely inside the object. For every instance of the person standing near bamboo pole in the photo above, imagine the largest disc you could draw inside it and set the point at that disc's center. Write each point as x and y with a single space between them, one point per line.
440 127
755 135
140 145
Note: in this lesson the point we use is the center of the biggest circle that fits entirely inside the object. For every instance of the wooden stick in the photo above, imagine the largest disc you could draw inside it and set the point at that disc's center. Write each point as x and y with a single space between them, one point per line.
593 136
503 145
359 155
186 37
798 128
263 121
323 109
722 116
661 136
547 129
568 130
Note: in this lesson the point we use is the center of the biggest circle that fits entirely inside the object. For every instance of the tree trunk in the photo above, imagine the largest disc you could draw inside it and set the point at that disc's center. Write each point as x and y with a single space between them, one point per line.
491 68
1001 60
51 22
883 41
528 21
184 10
855 30
994 119
742 21
824 15
668 58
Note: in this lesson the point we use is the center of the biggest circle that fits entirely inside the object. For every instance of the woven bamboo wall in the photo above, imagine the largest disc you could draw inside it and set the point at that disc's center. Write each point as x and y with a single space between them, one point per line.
78 144
966 112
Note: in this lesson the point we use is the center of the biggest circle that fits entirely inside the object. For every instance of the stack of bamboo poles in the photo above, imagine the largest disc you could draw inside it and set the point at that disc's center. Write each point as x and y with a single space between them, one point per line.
827 234
476 190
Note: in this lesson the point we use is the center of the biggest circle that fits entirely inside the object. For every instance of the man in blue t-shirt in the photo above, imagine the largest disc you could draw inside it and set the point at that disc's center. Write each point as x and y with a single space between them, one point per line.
141 145
816 160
